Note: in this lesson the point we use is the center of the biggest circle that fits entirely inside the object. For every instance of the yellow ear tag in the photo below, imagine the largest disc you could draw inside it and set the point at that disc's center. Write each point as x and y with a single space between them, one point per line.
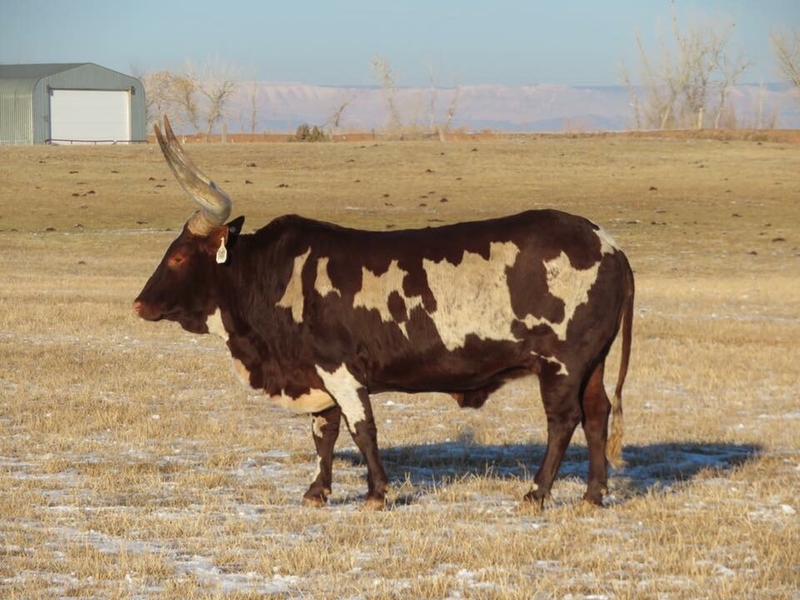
222 253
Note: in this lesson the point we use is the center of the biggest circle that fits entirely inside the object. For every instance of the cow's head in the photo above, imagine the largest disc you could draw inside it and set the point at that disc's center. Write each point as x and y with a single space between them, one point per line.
181 288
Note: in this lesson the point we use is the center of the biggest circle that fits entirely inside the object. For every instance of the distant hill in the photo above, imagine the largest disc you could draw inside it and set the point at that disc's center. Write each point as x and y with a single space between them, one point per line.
282 106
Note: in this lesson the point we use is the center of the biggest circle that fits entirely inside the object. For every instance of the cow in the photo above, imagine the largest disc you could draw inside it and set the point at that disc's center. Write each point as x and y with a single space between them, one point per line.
320 316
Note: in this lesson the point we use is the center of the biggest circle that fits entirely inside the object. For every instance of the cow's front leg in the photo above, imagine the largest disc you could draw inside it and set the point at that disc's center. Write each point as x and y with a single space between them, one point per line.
365 435
353 399
324 430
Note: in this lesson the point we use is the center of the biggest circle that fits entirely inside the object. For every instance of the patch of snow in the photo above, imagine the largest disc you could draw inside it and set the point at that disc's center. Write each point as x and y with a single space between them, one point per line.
277 454
204 571
784 416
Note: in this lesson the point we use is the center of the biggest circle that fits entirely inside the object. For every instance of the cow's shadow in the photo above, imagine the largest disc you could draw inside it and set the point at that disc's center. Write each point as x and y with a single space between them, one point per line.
428 467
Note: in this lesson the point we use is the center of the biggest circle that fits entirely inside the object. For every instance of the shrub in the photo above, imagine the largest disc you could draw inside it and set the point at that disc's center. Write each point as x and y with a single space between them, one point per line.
306 133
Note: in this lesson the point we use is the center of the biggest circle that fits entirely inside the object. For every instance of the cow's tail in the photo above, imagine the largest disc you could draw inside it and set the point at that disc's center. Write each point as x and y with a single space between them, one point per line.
614 445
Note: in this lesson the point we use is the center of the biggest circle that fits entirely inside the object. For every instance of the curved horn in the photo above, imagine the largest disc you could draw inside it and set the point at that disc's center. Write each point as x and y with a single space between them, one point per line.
215 204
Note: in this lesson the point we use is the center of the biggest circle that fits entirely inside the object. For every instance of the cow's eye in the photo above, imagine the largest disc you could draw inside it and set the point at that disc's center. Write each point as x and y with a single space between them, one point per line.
175 260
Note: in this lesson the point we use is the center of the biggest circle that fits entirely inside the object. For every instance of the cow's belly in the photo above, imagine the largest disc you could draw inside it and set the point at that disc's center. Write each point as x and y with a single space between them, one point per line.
450 375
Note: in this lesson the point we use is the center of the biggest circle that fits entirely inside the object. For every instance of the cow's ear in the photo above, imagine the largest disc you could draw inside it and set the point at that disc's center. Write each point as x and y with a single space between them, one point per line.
217 244
219 240
235 228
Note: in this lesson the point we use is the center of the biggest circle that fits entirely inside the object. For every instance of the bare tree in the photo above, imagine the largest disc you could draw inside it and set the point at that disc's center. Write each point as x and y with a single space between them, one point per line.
729 69
451 112
336 116
157 95
765 113
216 83
692 77
186 98
383 70
422 114
662 82
786 47
633 91
168 93
433 100
253 97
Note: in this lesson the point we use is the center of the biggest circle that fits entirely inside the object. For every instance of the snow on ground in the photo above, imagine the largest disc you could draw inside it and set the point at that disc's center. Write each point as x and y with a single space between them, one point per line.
662 467
438 471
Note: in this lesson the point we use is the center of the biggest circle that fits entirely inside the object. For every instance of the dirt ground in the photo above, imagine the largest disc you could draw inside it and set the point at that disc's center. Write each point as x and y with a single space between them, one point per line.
133 465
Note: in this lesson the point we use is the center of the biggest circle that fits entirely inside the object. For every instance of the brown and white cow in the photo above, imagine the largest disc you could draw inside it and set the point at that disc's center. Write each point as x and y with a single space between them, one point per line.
321 316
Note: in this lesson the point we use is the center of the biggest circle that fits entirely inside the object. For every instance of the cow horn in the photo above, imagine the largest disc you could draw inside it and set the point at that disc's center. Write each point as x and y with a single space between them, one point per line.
215 205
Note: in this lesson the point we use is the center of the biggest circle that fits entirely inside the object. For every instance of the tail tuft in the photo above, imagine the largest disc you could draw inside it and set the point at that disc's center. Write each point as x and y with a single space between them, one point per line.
614 444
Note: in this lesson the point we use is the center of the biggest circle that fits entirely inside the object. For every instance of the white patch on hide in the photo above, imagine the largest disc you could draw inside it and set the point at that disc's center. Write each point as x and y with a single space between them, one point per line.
293 295
318 470
313 401
569 285
376 289
323 283
344 388
473 296
317 423
562 368
215 326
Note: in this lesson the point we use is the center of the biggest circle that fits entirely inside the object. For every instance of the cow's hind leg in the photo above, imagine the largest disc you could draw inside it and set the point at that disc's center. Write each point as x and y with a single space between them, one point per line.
325 430
596 409
560 396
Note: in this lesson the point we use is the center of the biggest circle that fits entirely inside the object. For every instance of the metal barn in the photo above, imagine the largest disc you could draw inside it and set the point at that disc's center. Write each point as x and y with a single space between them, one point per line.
70 103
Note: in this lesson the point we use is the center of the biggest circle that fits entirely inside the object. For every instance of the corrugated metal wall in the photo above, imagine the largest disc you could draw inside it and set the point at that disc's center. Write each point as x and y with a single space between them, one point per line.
16 112
25 103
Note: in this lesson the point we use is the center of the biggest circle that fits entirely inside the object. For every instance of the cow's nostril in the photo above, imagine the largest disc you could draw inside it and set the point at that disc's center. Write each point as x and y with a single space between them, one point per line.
146 310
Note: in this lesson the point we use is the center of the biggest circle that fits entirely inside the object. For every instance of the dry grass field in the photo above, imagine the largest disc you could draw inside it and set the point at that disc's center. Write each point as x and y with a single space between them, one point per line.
133 465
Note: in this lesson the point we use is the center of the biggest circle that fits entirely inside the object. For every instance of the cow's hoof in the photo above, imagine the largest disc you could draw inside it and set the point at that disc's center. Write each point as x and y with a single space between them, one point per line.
594 494
534 500
373 504
315 500
593 500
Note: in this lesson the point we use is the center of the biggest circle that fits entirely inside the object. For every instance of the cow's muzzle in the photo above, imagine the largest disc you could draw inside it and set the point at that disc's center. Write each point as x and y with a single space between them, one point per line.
146 311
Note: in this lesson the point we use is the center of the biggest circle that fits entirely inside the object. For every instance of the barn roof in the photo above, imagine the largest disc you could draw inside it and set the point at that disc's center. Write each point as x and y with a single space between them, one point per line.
21 79
35 71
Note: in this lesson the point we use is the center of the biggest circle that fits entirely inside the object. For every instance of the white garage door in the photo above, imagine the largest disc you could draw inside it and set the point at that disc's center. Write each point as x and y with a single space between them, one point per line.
89 116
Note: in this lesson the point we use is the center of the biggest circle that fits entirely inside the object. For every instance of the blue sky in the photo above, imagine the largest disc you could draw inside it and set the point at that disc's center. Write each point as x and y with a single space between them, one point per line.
512 42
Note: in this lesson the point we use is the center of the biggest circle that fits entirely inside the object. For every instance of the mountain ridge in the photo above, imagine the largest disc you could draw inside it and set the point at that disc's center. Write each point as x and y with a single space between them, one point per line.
536 108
